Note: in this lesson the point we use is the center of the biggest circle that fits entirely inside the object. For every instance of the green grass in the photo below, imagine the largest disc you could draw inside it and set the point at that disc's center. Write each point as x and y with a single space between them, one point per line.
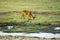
33 5
27 29
51 6
16 18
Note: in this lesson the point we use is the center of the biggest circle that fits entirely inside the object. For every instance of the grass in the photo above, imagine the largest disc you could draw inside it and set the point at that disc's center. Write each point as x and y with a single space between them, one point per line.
25 38
33 5
27 29
42 19
16 17
45 6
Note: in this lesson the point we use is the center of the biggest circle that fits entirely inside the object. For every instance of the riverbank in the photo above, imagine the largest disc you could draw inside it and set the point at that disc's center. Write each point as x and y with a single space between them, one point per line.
45 21
25 38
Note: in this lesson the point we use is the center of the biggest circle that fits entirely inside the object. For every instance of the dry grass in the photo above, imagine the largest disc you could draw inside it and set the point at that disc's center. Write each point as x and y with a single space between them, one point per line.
25 38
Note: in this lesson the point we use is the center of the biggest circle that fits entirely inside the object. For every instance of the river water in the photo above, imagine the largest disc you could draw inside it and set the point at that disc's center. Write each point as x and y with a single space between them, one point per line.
41 35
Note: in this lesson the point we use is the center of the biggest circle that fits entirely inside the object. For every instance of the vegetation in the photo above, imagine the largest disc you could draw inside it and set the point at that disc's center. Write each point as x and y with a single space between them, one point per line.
33 5
46 11
25 38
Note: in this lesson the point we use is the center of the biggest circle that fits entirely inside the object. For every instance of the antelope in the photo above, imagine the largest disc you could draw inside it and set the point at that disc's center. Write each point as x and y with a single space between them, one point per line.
28 13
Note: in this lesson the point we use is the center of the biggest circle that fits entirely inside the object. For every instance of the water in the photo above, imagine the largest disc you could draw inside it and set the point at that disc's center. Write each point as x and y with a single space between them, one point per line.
57 28
41 35
10 27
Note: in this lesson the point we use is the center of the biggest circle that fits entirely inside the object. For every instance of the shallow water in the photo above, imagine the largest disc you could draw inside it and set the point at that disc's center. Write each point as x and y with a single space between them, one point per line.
57 28
41 35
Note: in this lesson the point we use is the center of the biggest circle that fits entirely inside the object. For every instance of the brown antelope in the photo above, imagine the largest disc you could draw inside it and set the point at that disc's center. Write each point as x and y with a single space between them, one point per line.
28 13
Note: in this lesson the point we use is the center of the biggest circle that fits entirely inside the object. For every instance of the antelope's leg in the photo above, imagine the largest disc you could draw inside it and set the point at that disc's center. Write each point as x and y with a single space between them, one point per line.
29 19
23 16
